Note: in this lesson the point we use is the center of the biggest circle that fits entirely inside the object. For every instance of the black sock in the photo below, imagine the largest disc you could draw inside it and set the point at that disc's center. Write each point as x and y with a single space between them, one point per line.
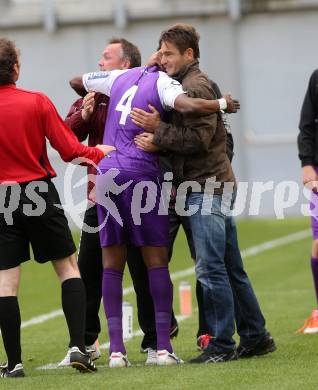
10 323
74 308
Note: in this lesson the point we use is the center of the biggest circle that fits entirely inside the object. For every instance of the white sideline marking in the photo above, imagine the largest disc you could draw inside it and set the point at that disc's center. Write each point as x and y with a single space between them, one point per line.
42 318
53 366
252 251
265 246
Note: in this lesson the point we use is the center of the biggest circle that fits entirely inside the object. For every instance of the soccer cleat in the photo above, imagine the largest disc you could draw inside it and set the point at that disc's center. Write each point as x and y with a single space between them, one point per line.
152 357
118 360
66 361
81 361
203 342
214 357
17 372
265 345
311 324
165 358
93 350
3 365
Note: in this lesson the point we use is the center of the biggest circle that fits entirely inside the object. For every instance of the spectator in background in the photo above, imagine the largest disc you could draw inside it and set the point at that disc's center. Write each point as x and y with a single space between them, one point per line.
254 338
308 155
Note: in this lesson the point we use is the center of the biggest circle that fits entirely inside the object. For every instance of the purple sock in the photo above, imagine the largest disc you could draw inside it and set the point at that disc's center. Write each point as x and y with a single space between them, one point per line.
162 292
314 269
113 301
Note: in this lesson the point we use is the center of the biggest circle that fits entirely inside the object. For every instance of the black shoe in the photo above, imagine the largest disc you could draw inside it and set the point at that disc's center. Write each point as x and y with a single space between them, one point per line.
81 361
214 357
17 372
265 345
174 329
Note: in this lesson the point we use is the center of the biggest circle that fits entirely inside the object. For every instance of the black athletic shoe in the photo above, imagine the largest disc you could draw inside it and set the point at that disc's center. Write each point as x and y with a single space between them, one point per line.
17 372
81 361
214 357
265 345
174 329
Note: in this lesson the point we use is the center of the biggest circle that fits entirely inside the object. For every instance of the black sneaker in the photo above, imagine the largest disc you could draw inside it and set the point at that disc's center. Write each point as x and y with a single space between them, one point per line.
17 372
81 361
265 345
214 357
174 329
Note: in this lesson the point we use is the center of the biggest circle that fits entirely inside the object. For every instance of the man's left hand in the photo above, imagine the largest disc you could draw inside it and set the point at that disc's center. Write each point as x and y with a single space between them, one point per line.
232 104
144 142
148 121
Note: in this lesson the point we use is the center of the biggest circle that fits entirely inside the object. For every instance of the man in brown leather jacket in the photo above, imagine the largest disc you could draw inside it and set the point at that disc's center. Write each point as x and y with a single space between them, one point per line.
198 146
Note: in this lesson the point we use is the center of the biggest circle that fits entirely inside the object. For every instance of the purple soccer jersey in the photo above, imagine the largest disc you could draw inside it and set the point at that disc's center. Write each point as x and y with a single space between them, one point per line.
137 87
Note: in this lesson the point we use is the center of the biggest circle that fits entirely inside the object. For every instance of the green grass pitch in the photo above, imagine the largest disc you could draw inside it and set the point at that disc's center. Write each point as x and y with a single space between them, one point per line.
282 280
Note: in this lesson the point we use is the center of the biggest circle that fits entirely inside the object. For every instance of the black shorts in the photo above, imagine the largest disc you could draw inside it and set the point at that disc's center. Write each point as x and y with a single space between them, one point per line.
29 215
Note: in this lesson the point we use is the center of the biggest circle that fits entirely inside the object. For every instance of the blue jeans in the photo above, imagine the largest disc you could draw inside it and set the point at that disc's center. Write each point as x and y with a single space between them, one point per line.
209 236
250 322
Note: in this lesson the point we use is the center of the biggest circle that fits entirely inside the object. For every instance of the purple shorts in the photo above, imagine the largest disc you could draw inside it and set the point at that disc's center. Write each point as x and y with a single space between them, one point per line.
314 212
127 207
314 215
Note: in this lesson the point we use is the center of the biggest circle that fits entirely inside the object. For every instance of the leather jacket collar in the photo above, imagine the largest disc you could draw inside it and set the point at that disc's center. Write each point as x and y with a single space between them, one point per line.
185 70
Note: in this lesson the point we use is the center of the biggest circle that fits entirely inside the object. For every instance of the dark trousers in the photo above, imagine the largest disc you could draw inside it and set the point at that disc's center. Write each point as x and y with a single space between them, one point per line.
175 221
91 269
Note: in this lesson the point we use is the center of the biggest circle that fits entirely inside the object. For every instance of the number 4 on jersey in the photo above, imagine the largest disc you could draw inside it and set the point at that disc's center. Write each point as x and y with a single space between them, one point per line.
124 104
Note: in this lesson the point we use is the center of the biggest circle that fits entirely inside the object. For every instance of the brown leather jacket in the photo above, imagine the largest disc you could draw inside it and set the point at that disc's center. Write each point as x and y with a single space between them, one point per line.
197 143
93 129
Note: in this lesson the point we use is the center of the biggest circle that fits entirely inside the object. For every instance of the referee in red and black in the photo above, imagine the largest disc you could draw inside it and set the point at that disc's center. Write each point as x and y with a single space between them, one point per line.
29 208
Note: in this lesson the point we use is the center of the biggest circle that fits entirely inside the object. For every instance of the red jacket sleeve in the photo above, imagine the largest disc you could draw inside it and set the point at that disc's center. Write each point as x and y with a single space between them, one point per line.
62 138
